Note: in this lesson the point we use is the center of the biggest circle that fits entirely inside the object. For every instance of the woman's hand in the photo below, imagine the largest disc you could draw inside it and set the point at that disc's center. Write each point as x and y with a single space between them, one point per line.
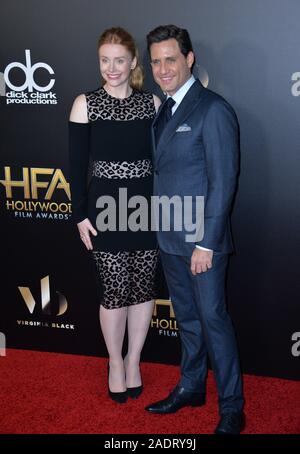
85 227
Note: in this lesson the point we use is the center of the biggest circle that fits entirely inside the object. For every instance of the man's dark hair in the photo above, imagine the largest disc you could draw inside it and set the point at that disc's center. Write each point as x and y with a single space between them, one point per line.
164 32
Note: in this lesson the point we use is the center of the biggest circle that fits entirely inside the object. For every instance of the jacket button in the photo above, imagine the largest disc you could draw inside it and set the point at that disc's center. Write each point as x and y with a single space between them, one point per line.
156 172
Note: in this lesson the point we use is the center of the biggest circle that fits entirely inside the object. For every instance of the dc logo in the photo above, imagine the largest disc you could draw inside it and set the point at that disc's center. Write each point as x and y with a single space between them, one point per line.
29 71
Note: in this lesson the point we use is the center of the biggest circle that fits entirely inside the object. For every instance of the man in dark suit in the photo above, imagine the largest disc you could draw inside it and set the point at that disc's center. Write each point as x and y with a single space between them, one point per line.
195 137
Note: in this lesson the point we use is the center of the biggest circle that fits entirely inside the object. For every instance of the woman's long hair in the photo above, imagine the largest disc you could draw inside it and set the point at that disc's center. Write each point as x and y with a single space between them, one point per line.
118 35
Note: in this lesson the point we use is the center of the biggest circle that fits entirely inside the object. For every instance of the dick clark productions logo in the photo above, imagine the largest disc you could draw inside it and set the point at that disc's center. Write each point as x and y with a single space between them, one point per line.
28 91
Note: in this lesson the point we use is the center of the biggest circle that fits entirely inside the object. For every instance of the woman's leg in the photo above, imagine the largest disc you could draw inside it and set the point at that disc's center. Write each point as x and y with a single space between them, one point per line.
113 324
139 317
144 265
113 274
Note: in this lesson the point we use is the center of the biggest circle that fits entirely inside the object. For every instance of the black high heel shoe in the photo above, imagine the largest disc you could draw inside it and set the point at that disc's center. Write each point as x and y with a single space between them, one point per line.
120 398
135 392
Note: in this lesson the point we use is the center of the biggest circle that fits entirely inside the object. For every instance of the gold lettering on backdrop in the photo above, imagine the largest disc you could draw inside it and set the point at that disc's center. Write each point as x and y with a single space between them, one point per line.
164 303
45 295
20 205
28 298
164 324
35 184
31 182
9 183
62 303
58 181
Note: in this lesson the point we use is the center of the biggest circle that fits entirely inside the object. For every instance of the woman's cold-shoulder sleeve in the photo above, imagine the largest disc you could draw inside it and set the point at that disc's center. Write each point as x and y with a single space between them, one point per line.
79 161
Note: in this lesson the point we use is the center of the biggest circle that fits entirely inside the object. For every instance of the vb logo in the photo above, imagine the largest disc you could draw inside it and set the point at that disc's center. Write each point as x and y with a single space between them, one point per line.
45 299
29 70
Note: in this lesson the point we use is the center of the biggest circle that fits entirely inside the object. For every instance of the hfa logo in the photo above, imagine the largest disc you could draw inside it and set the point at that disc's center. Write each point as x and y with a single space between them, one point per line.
33 185
28 91
45 299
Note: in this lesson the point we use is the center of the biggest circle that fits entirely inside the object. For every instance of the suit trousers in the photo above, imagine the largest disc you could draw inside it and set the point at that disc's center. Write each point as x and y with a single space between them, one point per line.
205 328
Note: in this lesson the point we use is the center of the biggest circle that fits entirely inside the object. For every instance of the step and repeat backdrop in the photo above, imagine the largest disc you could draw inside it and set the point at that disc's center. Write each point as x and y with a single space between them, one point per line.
246 51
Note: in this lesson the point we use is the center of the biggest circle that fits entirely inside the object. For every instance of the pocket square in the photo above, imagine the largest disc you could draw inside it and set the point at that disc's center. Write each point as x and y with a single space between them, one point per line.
183 128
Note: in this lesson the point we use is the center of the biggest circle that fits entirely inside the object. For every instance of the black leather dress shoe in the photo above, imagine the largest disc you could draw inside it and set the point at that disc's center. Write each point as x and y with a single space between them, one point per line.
231 424
177 399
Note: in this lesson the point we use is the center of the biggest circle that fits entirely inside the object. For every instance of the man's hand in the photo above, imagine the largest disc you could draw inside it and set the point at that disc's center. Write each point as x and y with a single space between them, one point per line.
85 227
201 261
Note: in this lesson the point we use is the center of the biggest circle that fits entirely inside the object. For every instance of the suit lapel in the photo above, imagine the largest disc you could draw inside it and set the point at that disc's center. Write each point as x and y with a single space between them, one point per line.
183 111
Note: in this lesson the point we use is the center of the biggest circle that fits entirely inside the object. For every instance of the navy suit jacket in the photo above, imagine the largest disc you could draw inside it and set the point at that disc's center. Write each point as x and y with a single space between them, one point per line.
201 159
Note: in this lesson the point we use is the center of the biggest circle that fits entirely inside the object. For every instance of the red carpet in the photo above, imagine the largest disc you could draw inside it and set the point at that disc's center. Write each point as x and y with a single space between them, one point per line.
47 393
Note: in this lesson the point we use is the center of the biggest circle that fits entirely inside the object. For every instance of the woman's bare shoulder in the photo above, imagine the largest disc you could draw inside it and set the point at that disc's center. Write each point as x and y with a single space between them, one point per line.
79 110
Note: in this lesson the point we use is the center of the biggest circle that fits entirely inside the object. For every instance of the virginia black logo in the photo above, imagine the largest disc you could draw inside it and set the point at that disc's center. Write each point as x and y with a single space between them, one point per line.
45 302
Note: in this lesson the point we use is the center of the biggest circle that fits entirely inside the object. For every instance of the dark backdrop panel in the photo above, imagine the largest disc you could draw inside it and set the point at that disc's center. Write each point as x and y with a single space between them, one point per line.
250 51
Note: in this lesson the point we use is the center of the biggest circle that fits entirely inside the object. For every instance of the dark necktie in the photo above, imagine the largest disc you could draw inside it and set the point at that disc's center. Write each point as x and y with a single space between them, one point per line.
164 116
